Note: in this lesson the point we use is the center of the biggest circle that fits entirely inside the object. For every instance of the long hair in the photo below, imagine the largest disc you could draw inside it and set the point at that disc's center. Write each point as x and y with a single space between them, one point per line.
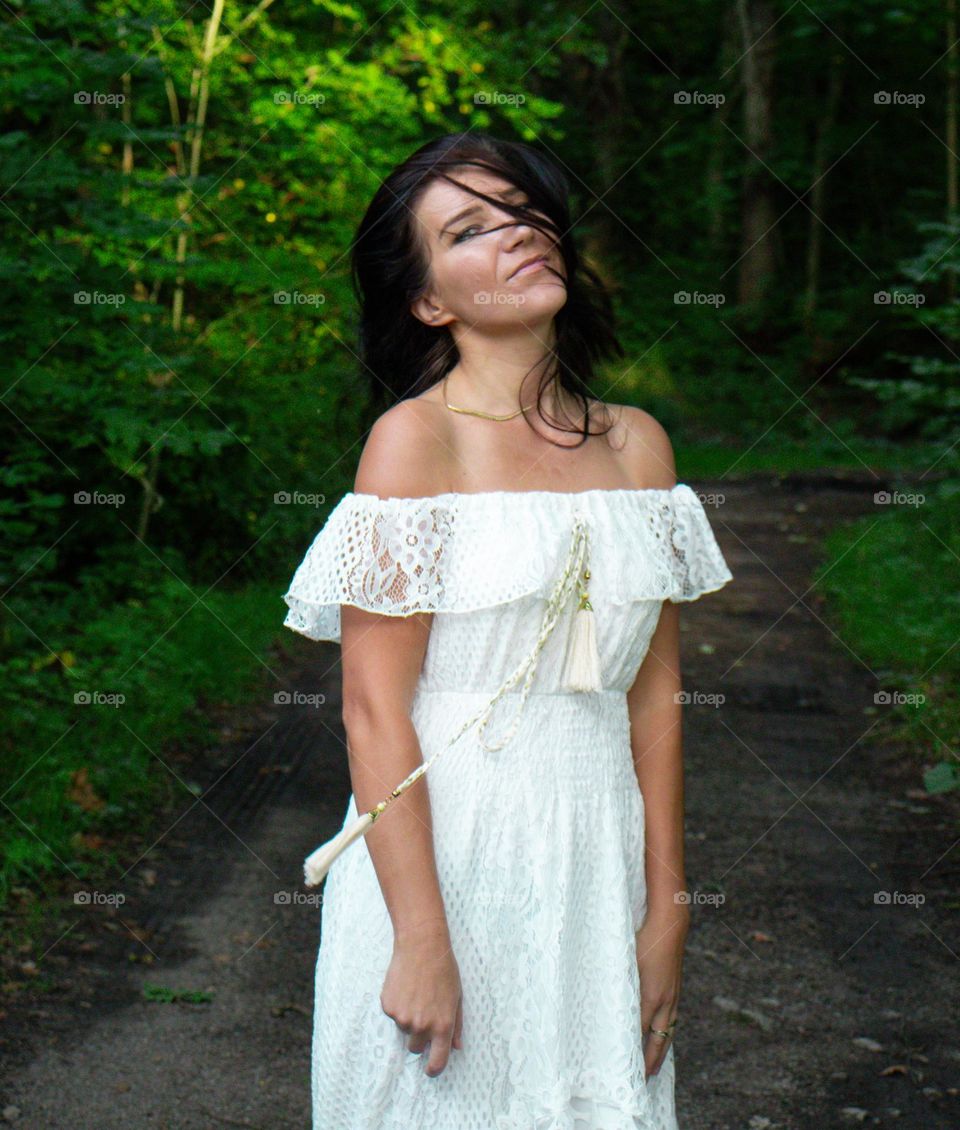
401 356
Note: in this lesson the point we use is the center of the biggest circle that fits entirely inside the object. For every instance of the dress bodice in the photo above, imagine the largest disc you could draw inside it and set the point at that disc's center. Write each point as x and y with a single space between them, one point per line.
486 563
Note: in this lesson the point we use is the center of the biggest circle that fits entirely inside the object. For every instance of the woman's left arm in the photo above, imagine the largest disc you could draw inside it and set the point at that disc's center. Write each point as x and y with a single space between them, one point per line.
656 738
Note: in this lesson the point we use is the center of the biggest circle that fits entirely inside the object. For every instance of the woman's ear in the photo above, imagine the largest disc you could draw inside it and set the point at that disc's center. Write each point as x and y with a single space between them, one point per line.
429 312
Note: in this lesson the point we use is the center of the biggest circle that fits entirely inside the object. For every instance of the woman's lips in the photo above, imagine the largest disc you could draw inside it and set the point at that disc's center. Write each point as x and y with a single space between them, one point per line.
534 266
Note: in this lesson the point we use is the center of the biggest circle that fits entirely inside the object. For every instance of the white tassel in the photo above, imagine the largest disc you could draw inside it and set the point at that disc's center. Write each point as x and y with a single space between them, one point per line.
581 665
317 864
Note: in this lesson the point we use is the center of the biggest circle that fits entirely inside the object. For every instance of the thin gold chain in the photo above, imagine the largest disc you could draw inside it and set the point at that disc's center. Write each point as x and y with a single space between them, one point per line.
475 412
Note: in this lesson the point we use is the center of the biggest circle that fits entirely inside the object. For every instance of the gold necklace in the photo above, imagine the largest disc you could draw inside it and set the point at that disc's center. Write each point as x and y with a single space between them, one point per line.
474 412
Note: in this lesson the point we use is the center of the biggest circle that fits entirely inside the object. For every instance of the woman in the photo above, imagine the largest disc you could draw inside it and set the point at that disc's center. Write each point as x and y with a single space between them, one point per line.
502 950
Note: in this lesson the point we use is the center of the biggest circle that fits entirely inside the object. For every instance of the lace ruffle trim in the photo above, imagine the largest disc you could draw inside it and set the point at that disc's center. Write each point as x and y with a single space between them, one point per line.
463 552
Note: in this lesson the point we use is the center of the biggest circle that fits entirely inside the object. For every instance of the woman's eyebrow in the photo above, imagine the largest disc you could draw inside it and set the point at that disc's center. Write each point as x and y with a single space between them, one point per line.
477 207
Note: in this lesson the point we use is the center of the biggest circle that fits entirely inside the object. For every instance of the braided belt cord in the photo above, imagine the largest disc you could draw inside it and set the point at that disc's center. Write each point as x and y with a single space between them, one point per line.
528 665
318 863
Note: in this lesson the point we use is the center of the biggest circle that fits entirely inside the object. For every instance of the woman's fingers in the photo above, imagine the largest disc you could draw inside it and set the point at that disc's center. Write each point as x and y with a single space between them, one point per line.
439 1049
422 994
458 1028
439 1040
655 1045
654 1050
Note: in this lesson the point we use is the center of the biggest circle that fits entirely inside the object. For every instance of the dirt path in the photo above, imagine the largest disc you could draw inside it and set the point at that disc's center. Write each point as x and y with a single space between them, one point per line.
796 816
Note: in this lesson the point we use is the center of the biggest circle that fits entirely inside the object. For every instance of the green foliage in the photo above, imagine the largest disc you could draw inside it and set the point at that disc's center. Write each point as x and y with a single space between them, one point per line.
928 402
97 697
162 994
894 584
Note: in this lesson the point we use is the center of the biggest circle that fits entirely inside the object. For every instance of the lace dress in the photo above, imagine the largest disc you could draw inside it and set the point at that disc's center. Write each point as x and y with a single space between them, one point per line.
539 844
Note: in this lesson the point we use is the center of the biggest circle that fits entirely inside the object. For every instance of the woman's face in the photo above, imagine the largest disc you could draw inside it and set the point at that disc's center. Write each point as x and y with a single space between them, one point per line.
474 278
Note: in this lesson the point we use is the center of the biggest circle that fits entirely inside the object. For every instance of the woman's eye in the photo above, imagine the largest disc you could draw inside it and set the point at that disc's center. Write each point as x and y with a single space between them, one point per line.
465 234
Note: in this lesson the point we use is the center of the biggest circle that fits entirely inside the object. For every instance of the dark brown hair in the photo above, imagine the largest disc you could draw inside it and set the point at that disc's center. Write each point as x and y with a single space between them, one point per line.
401 355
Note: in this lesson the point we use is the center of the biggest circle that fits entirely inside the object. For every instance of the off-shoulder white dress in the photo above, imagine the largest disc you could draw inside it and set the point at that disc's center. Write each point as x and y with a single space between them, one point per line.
540 844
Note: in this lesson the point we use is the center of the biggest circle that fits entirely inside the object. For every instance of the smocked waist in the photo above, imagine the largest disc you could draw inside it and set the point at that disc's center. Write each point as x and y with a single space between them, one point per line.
534 692
572 736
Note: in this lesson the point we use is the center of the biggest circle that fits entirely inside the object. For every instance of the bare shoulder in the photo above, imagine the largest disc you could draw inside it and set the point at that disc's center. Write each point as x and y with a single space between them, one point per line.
406 454
646 448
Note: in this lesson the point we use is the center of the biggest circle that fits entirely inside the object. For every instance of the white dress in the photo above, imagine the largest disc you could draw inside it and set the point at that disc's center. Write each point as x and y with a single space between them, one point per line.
540 844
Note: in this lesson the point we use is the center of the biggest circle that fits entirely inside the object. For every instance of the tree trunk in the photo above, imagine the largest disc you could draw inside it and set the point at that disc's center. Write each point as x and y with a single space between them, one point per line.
817 196
199 95
950 277
607 107
719 139
758 38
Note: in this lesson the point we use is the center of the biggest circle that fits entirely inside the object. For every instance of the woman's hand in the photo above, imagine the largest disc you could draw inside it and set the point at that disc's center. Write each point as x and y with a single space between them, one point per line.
422 992
660 943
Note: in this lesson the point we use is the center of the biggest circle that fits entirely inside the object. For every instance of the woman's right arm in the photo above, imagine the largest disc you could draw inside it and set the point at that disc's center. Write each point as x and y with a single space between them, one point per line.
381 661
382 657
